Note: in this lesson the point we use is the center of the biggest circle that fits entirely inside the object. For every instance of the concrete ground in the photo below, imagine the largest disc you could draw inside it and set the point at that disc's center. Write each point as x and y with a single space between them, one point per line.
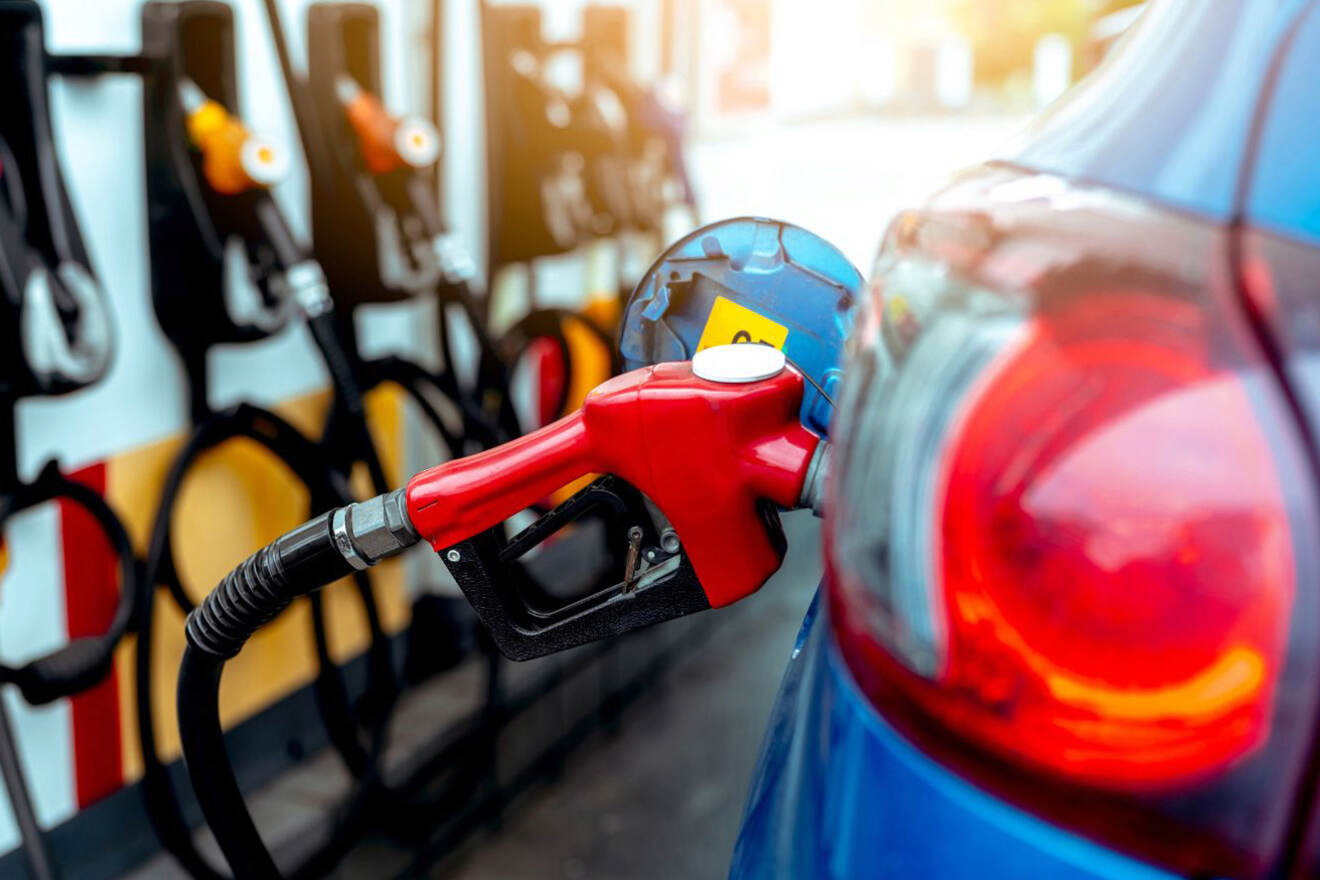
663 797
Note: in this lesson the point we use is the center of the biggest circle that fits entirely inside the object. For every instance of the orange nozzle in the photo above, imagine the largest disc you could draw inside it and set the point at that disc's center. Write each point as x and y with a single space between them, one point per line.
233 159
386 142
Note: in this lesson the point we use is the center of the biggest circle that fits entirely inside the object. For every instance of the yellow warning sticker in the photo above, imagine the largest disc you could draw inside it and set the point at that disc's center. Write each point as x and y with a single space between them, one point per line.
730 322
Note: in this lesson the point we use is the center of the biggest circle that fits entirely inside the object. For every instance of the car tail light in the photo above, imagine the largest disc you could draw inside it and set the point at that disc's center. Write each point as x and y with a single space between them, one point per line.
1114 551
1063 559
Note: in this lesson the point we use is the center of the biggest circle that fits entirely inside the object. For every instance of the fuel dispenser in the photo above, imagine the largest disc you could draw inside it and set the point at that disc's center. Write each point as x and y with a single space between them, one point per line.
227 269
544 202
537 204
597 167
215 279
57 339
656 132
696 457
377 227
210 183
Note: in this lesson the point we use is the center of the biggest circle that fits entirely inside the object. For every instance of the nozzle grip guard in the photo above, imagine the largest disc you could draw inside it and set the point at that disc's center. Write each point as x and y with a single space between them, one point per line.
708 455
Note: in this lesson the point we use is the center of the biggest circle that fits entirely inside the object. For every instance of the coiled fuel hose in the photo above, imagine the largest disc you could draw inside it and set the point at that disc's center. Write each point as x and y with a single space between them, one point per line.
319 552
357 747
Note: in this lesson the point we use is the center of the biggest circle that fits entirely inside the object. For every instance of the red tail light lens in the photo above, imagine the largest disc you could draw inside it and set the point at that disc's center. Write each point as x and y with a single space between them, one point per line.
1064 559
1114 552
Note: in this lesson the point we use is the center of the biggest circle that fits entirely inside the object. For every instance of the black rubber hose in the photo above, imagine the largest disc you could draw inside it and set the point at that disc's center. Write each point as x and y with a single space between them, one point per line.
208 767
83 662
288 445
162 802
38 857
419 383
492 371
211 773
254 593
303 458
263 585
348 394
163 806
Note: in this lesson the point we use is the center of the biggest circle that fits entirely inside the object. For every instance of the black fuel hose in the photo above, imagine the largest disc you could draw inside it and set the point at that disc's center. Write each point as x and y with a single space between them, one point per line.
488 414
83 662
349 395
303 275
40 864
299 562
419 383
304 458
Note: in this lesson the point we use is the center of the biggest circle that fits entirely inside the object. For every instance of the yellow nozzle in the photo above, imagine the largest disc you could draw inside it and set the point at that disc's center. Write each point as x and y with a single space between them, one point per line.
233 159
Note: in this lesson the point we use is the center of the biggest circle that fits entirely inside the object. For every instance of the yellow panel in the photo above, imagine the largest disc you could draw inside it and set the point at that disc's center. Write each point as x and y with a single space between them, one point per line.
730 322
130 758
237 498
591 362
591 366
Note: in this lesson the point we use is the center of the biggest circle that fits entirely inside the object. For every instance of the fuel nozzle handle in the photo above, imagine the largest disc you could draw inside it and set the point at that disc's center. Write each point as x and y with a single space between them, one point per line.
709 452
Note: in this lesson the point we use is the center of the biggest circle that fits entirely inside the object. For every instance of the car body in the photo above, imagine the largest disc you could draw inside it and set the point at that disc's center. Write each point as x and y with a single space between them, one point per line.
1070 624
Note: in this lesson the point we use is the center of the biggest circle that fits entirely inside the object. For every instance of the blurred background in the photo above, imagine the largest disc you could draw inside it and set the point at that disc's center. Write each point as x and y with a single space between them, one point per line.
577 141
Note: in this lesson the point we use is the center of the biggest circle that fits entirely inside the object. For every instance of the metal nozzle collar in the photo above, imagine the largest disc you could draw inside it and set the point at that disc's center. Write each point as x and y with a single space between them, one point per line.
813 486
455 260
368 531
306 282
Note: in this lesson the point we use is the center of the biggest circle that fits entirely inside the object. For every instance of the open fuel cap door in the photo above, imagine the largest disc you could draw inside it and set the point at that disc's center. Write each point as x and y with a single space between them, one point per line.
748 279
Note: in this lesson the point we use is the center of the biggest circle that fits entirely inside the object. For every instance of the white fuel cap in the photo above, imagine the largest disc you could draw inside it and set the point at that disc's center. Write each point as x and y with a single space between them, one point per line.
738 364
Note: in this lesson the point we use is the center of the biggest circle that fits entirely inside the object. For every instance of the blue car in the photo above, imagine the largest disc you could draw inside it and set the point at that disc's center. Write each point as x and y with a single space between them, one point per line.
1070 624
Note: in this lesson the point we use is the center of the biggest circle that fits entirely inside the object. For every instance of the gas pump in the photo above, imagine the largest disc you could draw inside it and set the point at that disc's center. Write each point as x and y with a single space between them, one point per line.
227 269
215 225
376 224
378 230
697 456
608 148
545 201
656 132
57 339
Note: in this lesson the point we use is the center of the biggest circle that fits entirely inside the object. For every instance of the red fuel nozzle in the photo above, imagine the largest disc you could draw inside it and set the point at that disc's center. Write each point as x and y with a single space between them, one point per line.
715 444
387 142
708 453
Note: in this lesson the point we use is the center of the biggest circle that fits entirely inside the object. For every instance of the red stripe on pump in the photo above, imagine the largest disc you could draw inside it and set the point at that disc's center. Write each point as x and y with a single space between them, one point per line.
91 593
